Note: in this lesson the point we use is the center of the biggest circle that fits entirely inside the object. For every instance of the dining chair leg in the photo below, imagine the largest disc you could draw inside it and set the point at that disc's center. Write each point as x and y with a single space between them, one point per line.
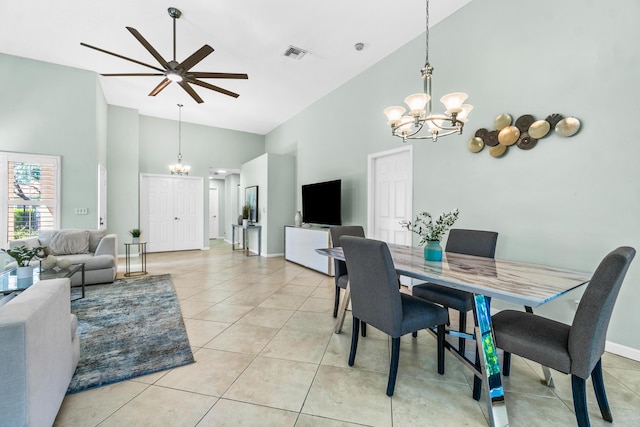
364 329
440 333
462 328
336 303
354 340
414 334
578 387
506 364
477 382
601 395
393 368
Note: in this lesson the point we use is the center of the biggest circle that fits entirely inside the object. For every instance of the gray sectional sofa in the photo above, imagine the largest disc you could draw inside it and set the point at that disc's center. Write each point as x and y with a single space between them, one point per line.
95 248
39 350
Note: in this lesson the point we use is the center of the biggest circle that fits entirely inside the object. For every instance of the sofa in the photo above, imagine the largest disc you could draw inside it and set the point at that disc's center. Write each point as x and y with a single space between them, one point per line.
39 350
95 248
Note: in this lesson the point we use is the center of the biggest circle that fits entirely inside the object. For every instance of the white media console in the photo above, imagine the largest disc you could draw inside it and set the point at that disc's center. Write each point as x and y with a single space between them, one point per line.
300 244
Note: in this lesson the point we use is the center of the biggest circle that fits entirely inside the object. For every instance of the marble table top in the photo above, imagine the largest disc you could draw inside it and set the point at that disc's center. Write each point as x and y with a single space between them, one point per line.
517 282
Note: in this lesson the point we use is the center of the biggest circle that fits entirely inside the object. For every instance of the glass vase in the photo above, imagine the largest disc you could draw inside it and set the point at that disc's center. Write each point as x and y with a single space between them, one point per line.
433 251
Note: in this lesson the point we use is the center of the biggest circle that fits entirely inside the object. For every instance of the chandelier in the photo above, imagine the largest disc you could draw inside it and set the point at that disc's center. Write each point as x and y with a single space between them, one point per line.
408 126
179 168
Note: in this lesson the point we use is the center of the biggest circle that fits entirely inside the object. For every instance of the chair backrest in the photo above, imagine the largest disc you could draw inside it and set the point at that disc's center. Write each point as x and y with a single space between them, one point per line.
472 242
336 232
589 329
375 297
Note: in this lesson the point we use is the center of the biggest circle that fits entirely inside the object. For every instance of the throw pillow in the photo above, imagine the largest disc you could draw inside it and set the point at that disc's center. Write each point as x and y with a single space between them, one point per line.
95 236
69 242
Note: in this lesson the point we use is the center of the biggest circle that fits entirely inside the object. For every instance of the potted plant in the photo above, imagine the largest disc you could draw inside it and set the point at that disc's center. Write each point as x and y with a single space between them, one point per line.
245 215
431 233
23 255
135 235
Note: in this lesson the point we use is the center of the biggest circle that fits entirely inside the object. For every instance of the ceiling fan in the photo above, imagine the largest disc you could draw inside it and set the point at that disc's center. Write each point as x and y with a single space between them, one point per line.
173 71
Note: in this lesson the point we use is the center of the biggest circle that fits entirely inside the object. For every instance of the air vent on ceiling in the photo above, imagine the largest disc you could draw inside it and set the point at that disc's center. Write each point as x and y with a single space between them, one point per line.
295 53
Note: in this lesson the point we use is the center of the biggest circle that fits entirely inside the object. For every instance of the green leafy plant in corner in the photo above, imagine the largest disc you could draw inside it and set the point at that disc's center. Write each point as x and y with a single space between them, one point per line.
427 229
245 211
23 254
136 232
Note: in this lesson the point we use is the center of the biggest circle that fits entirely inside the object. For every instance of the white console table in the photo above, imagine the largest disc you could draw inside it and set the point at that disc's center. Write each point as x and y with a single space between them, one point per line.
300 244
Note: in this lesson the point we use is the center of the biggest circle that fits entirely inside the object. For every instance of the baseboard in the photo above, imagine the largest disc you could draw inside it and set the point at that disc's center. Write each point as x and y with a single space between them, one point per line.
273 255
621 350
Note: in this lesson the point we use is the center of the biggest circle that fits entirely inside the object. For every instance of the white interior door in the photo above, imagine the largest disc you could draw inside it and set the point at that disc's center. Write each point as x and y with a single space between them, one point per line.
390 195
188 213
156 212
102 197
213 213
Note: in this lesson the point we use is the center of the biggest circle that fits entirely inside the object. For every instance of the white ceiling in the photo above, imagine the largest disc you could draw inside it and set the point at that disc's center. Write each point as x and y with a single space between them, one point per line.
249 36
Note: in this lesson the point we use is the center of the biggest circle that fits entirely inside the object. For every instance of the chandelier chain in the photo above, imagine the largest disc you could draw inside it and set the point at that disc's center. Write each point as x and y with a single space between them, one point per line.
426 64
180 131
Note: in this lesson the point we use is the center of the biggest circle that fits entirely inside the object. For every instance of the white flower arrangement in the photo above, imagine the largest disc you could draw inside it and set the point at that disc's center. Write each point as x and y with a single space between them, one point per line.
427 229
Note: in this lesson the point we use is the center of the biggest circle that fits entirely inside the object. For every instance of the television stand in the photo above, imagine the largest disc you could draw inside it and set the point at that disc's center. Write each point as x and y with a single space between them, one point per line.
300 244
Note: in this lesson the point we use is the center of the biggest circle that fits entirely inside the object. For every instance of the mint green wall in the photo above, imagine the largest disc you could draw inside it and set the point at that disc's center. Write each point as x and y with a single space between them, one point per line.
281 205
122 174
56 110
102 118
566 202
274 176
202 148
231 184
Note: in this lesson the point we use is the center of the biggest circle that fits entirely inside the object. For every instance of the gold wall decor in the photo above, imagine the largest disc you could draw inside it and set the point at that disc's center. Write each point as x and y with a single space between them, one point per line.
523 133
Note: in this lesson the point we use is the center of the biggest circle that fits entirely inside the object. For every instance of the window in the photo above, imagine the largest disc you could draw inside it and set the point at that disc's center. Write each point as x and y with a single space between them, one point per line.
30 196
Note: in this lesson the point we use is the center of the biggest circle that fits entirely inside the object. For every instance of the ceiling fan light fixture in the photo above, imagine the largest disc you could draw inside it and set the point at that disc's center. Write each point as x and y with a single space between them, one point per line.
174 76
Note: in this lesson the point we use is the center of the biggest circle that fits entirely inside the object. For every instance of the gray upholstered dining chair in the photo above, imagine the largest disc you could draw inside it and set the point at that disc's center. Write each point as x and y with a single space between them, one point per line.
467 242
340 267
377 300
574 349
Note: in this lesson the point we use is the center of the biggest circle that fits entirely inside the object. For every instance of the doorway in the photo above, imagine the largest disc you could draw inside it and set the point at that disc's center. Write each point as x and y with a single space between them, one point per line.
214 211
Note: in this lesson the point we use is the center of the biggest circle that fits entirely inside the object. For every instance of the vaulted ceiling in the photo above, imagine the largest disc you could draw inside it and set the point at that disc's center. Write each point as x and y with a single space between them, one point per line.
249 36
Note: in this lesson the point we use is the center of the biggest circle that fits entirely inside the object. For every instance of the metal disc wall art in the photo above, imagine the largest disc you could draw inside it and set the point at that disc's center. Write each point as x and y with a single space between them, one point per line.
524 133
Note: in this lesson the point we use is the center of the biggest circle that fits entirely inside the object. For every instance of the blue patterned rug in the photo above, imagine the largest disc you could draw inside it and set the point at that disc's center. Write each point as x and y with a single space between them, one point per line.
129 328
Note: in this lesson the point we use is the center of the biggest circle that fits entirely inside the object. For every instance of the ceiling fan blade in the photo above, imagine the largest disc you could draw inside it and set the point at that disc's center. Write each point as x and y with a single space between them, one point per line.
219 76
196 57
148 46
190 91
132 74
121 57
212 87
164 83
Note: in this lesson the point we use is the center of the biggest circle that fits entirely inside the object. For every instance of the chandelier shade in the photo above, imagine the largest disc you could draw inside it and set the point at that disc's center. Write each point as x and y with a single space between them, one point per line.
408 126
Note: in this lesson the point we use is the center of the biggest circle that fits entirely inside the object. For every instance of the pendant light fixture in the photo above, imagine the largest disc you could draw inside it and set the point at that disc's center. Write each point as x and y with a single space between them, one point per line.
408 126
179 168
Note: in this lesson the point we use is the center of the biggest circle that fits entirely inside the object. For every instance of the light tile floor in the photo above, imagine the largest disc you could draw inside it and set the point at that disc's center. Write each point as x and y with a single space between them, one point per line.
261 330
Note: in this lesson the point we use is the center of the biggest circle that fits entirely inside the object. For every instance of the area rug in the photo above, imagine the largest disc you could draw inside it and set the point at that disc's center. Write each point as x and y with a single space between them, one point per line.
129 328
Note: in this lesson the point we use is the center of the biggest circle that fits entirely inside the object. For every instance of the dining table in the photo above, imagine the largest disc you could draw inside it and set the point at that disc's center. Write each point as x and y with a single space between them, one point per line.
526 284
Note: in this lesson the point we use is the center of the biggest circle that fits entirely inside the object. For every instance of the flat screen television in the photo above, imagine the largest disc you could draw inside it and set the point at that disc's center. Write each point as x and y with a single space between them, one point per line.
321 203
